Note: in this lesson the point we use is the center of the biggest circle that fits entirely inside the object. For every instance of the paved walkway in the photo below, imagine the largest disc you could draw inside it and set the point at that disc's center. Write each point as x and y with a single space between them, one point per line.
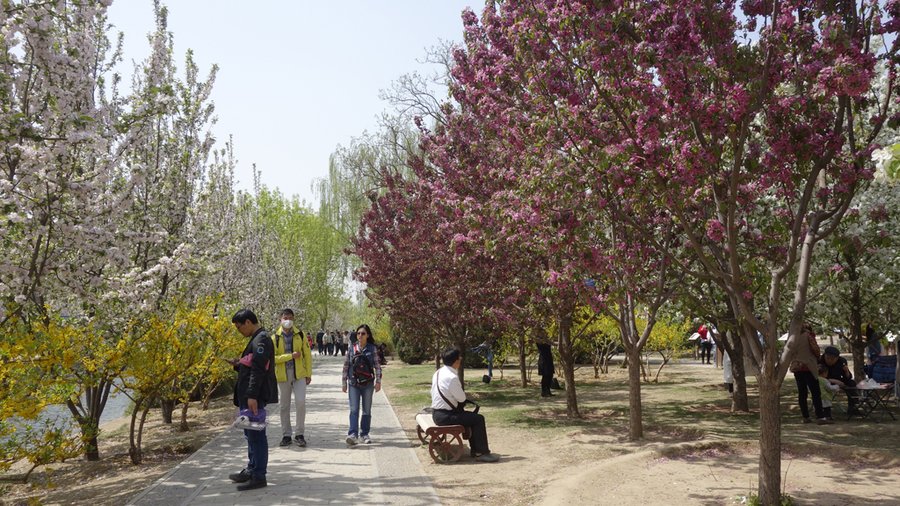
325 472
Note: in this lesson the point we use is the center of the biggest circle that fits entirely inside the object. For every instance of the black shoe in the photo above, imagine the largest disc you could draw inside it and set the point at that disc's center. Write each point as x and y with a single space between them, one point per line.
252 484
285 441
300 441
240 477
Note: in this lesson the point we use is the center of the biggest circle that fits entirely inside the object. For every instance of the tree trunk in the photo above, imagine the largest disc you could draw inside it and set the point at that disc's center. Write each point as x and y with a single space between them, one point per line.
523 370
134 449
88 417
91 448
739 400
567 360
858 351
635 423
28 473
184 427
89 433
769 441
460 344
207 395
140 434
168 407
857 340
664 359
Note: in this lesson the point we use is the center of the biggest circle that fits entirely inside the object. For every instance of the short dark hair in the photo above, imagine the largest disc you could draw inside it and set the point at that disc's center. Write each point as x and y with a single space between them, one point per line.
450 356
243 315
831 350
287 312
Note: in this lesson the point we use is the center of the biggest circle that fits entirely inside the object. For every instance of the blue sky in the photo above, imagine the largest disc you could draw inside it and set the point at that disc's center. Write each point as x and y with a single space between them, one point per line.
296 78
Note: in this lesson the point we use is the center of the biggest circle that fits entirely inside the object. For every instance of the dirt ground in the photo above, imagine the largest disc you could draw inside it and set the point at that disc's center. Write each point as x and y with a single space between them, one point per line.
114 479
591 463
600 466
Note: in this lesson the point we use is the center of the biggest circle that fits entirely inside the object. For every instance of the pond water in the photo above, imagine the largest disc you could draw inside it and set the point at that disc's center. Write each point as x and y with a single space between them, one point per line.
116 406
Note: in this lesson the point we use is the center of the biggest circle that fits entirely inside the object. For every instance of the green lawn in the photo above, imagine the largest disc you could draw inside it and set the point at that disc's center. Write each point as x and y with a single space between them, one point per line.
689 403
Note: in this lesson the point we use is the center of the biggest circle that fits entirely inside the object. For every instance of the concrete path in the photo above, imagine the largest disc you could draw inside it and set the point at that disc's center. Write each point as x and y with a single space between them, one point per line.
325 472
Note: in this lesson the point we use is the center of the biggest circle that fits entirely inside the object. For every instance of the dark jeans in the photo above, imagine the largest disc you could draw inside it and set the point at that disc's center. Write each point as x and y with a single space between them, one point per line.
478 441
257 452
705 353
852 395
808 383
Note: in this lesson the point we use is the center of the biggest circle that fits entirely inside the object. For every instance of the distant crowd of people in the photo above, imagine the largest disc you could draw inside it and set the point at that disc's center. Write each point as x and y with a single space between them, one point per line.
331 342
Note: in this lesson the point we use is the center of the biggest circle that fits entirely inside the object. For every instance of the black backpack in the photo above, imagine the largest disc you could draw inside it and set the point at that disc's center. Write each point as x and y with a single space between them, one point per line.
361 369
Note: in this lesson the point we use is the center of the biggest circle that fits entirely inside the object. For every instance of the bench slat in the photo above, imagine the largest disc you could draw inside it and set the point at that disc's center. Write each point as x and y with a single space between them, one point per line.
426 423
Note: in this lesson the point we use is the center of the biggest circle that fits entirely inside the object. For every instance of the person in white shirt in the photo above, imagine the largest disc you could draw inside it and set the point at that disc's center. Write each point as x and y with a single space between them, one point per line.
447 401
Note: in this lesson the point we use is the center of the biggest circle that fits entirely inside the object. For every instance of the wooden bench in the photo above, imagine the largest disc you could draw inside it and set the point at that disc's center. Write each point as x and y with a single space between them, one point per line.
445 442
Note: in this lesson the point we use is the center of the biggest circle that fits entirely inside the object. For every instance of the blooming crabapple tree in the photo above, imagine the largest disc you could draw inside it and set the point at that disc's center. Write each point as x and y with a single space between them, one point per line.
166 166
112 216
752 130
412 270
512 159
60 191
59 148
856 278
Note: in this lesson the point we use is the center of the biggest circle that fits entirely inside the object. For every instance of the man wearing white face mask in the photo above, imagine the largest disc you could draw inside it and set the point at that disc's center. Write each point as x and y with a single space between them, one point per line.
293 371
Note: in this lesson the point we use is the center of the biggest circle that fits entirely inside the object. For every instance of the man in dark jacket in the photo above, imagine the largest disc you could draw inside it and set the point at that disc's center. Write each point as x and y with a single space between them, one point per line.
255 387
838 370
545 367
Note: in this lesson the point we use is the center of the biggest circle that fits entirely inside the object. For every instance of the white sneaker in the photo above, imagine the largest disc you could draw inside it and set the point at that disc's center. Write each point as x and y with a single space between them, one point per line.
351 440
366 440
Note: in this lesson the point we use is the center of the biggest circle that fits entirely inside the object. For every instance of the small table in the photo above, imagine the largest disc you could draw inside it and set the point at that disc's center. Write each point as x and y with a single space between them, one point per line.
872 399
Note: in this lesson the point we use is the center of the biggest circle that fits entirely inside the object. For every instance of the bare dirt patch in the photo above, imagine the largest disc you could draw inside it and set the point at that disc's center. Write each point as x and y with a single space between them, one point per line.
113 480
695 451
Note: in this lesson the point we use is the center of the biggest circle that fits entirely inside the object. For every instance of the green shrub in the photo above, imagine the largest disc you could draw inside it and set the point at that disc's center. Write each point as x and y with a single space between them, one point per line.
409 351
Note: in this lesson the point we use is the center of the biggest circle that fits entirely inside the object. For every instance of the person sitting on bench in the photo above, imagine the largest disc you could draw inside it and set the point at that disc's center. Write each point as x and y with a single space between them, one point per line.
837 368
448 400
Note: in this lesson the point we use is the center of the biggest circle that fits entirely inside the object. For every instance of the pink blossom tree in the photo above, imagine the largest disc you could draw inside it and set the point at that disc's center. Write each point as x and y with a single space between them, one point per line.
510 157
412 270
751 126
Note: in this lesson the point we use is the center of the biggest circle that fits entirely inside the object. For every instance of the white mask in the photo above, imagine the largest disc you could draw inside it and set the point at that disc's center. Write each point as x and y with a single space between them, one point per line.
286 324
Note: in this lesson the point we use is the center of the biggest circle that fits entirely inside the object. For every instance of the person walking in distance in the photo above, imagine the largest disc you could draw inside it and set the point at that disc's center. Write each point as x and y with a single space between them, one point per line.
362 378
320 345
545 367
255 387
339 344
705 345
329 343
293 370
